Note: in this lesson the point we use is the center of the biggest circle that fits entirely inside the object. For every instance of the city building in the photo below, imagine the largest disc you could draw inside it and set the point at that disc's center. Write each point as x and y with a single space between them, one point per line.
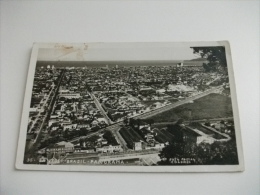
62 147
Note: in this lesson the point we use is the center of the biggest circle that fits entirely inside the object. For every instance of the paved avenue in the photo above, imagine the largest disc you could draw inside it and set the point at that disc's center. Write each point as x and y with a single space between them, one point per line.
114 128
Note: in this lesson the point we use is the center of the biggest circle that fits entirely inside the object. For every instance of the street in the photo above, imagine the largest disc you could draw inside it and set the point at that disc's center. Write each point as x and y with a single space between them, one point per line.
39 113
31 143
114 128
99 106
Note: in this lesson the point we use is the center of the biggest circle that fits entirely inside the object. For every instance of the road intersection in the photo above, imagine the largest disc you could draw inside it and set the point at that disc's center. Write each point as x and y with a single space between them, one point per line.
115 127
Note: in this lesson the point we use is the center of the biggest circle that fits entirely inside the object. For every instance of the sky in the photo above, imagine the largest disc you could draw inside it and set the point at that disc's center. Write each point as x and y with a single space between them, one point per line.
116 52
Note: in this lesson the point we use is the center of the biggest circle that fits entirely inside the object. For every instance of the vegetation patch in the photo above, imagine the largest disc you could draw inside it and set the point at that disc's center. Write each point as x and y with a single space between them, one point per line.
210 106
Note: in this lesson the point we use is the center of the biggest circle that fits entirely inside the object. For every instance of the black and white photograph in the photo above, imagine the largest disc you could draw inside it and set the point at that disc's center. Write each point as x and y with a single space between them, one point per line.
146 107
149 97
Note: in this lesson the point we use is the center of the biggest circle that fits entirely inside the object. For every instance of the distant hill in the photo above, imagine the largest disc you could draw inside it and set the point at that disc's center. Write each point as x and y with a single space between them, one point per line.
199 59
195 62
133 63
109 63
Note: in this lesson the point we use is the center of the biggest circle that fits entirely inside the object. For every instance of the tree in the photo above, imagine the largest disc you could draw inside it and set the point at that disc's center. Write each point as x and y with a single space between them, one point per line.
62 98
125 121
110 138
224 153
132 122
215 55
150 121
83 131
180 121
204 153
110 116
176 130
81 141
173 150
66 134
138 122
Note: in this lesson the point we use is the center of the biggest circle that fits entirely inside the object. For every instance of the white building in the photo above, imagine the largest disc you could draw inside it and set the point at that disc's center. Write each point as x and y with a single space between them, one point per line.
137 146
33 110
205 139
69 127
61 147
70 95
110 149
157 146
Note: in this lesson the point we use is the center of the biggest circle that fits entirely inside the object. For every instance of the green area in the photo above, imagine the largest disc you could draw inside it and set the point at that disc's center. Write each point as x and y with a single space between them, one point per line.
210 106
218 153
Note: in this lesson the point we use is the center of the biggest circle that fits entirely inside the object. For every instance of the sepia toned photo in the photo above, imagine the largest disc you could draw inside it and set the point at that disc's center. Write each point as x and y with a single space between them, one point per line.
130 107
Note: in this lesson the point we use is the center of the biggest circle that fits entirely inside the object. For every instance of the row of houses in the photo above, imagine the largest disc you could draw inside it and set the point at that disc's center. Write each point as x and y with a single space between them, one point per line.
68 147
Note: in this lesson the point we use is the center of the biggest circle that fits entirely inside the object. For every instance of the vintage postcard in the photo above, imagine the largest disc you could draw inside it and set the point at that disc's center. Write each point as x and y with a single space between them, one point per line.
130 107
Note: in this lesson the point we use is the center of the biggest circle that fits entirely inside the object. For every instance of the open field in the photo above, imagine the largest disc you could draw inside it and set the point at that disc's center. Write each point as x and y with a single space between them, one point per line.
210 106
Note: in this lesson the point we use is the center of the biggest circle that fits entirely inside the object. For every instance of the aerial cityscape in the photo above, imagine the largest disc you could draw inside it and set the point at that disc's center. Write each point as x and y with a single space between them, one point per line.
132 114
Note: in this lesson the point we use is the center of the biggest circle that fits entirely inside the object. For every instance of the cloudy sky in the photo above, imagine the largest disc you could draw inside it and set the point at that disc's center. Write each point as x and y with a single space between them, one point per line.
116 52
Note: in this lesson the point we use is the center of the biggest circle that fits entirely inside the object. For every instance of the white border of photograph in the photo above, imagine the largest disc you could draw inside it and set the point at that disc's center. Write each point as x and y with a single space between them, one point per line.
174 168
